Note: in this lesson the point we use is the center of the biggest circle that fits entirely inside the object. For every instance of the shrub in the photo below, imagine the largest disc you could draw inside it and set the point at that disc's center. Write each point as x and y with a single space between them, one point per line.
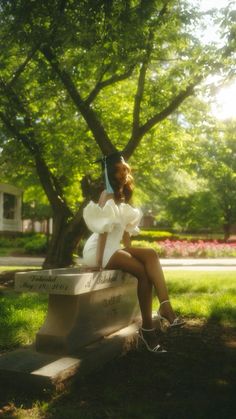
153 235
36 244
144 243
5 242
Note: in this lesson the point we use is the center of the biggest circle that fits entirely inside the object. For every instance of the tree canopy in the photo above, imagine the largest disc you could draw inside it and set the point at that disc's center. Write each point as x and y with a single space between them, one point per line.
80 78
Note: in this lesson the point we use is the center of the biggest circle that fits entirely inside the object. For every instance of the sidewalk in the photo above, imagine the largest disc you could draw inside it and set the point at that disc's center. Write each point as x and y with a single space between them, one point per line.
199 262
211 264
220 263
21 261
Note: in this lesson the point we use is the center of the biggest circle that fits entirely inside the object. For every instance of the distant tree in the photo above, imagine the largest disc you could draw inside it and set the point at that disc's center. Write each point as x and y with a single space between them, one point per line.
219 168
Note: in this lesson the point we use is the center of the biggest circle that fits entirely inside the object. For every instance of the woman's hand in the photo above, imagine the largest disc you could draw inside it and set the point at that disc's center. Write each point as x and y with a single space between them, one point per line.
99 264
126 239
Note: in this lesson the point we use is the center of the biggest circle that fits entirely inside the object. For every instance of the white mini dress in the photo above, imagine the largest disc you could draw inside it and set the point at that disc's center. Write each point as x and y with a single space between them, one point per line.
112 219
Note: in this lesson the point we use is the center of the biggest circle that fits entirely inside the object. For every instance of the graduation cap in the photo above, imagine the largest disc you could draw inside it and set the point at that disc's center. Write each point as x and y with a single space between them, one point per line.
111 159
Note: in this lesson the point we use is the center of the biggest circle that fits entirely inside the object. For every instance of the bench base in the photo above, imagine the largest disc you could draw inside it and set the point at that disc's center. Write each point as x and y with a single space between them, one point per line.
83 308
34 372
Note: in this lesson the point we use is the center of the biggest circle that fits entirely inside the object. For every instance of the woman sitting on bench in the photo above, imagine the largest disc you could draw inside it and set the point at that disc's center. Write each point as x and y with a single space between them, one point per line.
113 219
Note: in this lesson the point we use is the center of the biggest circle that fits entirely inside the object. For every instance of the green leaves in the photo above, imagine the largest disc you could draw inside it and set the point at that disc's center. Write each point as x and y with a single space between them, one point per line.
91 94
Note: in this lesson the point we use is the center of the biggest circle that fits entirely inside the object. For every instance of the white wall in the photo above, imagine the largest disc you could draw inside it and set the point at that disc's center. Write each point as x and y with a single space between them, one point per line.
16 223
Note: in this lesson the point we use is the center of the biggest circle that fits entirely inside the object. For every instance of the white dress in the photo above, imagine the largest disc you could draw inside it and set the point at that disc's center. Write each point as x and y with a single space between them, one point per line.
113 219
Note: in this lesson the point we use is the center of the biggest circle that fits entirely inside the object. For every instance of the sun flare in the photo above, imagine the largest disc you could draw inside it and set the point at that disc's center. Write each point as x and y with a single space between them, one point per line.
224 106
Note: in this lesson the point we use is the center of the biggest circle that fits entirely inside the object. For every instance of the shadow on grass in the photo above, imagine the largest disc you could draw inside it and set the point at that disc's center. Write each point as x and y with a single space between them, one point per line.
195 379
223 314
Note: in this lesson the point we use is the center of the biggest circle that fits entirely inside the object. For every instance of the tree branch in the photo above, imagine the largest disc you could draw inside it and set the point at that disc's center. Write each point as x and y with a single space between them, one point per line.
138 99
49 182
141 80
88 114
12 129
174 104
22 66
101 84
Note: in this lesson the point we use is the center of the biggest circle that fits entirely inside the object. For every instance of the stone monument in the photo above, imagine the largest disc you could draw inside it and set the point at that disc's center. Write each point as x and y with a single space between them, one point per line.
83 306
92 318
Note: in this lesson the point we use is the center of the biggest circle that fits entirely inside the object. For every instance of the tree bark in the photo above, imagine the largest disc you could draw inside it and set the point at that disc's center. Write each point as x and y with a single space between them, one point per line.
63 242
86 111
68 231
227 228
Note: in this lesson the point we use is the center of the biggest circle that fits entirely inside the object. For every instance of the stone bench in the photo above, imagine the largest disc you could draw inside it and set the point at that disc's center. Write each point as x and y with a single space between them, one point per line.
83 307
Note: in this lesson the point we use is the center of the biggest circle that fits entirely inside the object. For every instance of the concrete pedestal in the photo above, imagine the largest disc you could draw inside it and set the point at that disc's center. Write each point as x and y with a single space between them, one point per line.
91 319
83 307
30 371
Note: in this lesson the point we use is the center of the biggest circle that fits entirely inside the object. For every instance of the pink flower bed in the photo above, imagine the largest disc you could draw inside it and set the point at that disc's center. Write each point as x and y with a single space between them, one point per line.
199 249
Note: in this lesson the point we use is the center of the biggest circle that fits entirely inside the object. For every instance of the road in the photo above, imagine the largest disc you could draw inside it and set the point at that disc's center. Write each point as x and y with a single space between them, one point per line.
184 264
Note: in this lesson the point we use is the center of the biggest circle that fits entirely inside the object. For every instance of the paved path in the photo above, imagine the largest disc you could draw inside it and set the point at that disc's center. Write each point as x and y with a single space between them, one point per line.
211 264
186 264
20 261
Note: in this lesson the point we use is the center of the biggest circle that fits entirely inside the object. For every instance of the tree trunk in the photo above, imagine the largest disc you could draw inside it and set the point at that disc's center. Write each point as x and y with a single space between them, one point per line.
227 228
63 242
228 221
68 230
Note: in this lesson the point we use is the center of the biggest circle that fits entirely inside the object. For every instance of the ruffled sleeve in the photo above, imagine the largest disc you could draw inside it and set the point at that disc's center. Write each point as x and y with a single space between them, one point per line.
131 218
101 219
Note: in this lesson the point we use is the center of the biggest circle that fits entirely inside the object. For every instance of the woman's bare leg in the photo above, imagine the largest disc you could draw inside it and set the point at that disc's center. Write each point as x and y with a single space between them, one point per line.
151 263
128 263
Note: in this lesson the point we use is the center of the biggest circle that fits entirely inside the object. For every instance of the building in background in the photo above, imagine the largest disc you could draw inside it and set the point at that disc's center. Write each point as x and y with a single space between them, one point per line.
148 220
10 208
38 226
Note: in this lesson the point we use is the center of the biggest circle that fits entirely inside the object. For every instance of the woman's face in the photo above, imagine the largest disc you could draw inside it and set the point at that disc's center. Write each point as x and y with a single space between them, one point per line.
122 173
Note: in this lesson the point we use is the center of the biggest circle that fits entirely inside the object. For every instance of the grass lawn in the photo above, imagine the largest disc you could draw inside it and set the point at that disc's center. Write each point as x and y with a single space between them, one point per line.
206 295
19 268
6 251
196 379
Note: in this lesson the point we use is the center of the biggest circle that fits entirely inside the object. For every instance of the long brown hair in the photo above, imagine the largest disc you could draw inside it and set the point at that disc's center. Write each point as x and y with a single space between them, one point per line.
122 191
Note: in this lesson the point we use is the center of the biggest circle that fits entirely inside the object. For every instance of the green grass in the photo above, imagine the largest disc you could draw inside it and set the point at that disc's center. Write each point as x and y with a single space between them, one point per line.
21 268
21 315
209 295
6 251
204 295
142 386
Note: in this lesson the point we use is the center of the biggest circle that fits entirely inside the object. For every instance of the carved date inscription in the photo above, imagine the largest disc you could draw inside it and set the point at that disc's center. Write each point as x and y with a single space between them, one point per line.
44 283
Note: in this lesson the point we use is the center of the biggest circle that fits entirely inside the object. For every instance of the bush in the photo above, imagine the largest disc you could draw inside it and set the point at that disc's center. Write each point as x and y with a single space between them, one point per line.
36 244
5 242
153 235
144 243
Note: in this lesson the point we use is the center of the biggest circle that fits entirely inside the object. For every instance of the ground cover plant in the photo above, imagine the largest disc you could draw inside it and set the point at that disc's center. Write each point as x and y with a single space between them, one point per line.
196 380
29 244
185 248
21 316
153 235
166 244
202 295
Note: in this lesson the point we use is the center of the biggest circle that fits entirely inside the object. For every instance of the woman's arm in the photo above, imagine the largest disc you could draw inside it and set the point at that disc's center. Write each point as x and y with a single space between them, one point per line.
126 239
100 249
104 198
102 237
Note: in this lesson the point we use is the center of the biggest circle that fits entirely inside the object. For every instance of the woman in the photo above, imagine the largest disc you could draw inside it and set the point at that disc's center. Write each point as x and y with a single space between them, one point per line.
113 220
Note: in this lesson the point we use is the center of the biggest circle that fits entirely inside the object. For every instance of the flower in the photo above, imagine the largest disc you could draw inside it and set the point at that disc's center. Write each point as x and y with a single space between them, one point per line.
198 249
